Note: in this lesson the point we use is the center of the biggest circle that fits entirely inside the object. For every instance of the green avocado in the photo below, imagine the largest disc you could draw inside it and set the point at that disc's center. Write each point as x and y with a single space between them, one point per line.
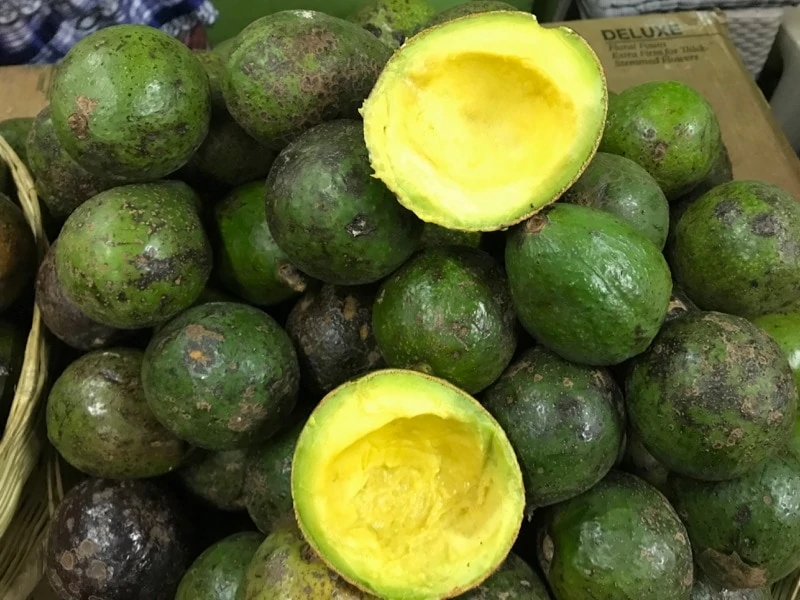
295 69
217 573
712 397
62 184
392 21
225 47
447 312
135 255
737 249
745 532
217 478
705 589
586 284
667 128
268 485
285 566
221 376
640 462
679 305
17 253
621 187
514 580
435 235
333 219
784 328
621 540
331 328
463 9
13 338
99 422
248 261
565 421
130 101
15 132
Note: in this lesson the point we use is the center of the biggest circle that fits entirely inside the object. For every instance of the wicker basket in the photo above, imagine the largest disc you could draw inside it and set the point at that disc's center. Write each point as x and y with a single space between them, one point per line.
30 484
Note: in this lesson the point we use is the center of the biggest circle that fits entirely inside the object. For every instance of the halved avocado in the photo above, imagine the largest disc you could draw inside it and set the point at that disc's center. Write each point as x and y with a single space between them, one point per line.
406 486
478 123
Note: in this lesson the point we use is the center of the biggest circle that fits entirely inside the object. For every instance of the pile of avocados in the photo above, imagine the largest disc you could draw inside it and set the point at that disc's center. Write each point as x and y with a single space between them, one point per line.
406 306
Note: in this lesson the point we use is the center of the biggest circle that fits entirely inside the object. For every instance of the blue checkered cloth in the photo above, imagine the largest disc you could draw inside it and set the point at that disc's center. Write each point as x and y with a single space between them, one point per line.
42 31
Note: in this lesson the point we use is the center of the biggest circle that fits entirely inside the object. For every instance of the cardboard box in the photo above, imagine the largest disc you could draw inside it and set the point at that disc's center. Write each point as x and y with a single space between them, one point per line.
691 47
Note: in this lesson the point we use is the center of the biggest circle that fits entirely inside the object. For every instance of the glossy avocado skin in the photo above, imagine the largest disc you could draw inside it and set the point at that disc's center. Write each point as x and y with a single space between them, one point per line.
619 541
331 328
745 532
586 284
123 540
217 573
447 312
565 421
514 580
736 249
334 220
621 187
712 397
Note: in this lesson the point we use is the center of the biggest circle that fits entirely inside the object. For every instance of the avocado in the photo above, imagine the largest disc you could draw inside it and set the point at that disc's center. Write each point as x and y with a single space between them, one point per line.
13 338
463 9
217 573
285 566
331 328
565 421
392 21
99 422
669 129
784 328
295 69
621 539
15 133
124 540
712 397
62 184
224 48
430 471
705 589
737 249
447 312
217 478
721 172
221 376
513 580
130 101
745 532
268 482
586 284
333 219
17 253
135 255
248 261
621 187
474 124
433 235
679 305
638 461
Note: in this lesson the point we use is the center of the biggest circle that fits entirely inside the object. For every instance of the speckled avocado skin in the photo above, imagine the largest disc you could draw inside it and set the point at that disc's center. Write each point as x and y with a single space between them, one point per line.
745 532
268 485
62 184
285 566
333 219
667 128
705 589
249 262
586 284
712 397
514 580
221 375
464 9
17 252
436 235
217 573
565 421
294 69
447 312
130 101
122 540
619 541
621 187
216 477
99 422
331 328
135 255
392 21
737 249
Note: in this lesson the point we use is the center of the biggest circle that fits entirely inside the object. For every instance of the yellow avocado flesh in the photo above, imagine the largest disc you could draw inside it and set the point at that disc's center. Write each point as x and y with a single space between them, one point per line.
406 486
478 123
